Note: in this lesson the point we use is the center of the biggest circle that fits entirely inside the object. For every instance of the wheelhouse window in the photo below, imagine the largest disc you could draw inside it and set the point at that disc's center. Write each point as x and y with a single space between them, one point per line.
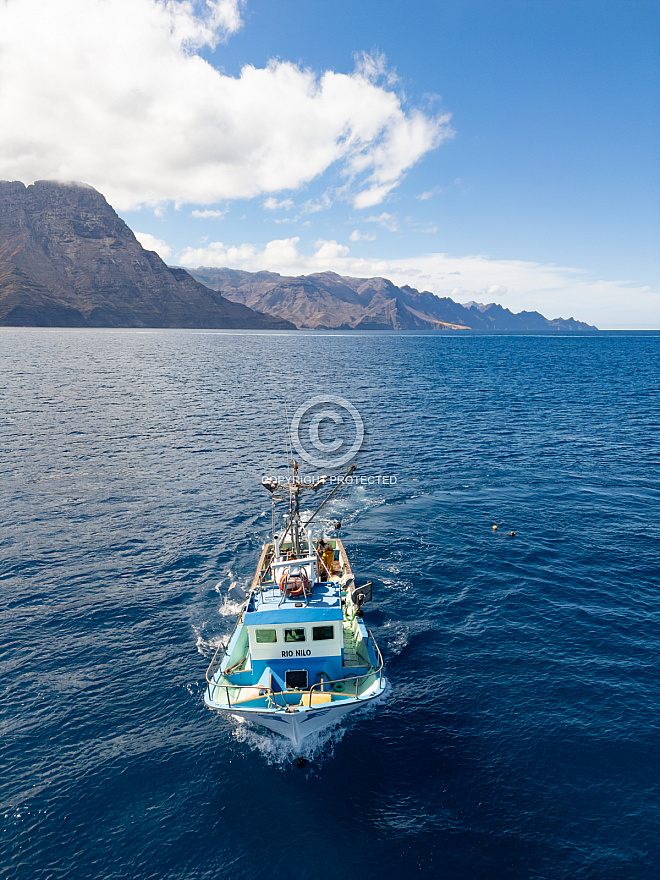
265 636
294 635
321 633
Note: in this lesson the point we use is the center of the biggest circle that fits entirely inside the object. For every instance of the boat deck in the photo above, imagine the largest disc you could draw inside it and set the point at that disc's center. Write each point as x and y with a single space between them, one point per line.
252 697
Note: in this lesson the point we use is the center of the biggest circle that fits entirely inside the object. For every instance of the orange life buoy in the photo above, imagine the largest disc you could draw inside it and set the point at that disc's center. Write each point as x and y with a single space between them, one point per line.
296 585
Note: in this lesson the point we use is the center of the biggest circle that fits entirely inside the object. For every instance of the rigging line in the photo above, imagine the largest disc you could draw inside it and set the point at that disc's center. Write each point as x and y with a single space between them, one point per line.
286 441
288 430
289 455
286 438
289 451
339 485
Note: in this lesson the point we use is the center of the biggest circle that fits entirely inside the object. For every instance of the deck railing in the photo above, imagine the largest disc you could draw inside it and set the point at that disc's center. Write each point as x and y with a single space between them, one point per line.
318 687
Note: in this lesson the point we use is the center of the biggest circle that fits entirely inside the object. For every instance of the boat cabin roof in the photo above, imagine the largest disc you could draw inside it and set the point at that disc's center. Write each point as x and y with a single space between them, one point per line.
267 607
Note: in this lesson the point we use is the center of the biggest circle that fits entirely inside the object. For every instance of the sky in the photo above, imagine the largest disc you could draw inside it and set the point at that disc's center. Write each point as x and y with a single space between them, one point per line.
492 150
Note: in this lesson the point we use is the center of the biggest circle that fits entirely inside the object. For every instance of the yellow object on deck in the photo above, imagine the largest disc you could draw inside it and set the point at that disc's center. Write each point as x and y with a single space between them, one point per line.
315 699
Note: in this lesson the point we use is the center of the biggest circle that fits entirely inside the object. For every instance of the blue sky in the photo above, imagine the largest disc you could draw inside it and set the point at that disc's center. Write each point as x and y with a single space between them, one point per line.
498 150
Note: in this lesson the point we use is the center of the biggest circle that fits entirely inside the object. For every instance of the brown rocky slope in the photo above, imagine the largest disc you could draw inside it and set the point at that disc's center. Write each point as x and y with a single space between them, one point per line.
68 260
326 301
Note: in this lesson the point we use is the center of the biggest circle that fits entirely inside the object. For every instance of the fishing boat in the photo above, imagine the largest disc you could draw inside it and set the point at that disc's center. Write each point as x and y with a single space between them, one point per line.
300 657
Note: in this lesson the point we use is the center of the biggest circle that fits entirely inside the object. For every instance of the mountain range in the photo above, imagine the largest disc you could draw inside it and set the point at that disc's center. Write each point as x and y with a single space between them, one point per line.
68 260
326 301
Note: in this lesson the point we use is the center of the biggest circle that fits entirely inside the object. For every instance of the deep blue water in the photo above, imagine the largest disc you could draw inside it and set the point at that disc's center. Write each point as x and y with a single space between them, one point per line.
520 735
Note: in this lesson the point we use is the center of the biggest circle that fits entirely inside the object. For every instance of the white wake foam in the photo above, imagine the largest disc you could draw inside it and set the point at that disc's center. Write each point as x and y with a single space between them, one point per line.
397 636
207 647
281 752
315 748
229 607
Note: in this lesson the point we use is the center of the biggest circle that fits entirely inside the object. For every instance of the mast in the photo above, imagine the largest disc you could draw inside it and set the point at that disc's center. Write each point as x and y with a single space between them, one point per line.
294 487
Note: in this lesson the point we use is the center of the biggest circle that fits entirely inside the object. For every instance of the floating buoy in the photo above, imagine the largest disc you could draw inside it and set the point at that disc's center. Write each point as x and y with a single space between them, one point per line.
494 528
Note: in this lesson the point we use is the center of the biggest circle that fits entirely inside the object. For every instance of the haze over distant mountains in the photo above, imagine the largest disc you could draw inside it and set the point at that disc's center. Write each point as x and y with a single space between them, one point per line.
325 301
68 260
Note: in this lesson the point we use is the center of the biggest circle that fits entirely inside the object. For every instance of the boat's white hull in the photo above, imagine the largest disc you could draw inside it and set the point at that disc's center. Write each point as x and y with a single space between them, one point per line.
299 724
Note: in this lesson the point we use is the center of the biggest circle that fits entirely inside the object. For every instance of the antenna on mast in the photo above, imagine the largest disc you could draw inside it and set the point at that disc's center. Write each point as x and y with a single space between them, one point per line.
294 486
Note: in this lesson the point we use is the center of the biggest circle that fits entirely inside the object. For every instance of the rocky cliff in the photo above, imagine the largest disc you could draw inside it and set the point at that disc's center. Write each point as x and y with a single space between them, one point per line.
68 260
329 301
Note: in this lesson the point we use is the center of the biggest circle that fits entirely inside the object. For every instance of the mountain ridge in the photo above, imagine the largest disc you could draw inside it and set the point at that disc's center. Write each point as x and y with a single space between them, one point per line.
68 260
328 301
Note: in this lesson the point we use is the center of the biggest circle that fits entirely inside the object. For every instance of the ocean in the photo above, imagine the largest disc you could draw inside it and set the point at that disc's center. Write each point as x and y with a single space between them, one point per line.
519 734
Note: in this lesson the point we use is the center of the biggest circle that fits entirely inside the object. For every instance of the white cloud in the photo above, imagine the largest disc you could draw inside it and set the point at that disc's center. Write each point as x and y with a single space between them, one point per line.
425 228
497 291
429 193
373 66
279 252
327 251
272 204
389 221
194 29
356 235
555 291
151 243
111 92
313 206
209 214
